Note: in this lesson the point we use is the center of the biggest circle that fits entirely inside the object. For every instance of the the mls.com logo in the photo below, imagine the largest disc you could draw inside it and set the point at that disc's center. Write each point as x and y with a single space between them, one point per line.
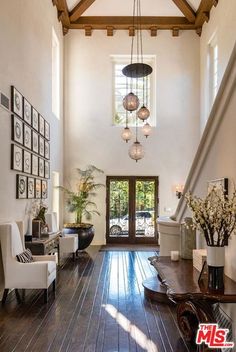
213 336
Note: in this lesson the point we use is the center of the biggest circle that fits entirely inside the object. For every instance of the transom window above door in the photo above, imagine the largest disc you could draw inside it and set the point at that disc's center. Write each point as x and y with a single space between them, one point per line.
120 90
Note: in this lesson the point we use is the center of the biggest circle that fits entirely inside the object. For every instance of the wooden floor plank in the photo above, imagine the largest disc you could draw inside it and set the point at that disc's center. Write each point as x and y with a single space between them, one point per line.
99 306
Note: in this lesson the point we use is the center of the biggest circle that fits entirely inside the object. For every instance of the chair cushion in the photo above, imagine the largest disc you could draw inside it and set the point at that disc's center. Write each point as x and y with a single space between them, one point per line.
25 257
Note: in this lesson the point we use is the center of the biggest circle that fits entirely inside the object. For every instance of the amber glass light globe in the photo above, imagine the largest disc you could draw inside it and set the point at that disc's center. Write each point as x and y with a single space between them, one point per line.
131 102
146 129
126 134
143 113
136 151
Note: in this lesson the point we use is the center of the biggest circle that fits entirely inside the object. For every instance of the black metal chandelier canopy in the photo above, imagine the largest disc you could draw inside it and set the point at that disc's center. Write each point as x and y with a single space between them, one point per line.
137 70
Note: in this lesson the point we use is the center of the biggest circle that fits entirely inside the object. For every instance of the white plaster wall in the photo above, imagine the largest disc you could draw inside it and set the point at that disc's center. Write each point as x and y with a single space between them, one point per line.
222 24
26 63
90 137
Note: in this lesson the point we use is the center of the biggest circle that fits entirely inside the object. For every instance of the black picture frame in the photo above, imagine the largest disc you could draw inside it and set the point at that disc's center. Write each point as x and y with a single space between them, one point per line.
46 169
21 186
44 187
41 167
26 162
47 150
35 119
16 102
41 125
220 182
47 130
30 188
41 146
27 137
35 142
27 111
37 188
35 165
17 130
16 158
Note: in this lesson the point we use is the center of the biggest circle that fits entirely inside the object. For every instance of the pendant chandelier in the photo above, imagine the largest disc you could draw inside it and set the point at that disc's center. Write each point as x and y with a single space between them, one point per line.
136 74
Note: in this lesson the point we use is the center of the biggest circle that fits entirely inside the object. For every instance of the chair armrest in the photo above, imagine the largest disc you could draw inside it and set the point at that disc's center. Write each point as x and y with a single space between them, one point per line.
31 270
45 258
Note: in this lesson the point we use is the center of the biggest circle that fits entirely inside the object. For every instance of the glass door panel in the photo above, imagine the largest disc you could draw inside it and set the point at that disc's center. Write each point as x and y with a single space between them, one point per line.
119 208
145 208
132 208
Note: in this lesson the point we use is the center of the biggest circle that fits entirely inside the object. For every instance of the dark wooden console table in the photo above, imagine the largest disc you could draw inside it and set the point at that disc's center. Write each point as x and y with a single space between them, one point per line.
177 282
44 245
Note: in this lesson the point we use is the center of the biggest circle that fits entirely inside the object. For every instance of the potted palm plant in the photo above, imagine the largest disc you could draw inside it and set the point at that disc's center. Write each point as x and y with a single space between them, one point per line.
80 203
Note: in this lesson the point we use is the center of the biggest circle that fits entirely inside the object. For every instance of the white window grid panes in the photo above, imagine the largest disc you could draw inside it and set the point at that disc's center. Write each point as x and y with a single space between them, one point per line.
120 84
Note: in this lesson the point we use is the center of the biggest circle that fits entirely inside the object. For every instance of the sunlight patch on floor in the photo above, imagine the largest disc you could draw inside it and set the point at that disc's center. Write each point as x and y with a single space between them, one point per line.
137 335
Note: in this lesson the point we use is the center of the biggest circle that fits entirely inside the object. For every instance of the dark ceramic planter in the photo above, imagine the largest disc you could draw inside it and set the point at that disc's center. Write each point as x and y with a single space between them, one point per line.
85 233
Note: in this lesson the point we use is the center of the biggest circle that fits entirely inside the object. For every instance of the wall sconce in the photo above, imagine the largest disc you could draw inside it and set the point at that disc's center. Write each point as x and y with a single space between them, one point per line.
179 190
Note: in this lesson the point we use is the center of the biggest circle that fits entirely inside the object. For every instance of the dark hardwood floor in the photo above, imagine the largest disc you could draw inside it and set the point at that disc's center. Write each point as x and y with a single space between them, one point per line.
98 306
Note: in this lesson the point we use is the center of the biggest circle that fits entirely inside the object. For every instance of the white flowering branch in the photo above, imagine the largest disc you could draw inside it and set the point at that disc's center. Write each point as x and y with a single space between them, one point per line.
214 216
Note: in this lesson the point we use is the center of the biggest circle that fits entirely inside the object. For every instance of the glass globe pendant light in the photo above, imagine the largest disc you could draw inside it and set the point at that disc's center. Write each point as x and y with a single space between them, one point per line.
143 113
136 151
126 134
146 129
131 102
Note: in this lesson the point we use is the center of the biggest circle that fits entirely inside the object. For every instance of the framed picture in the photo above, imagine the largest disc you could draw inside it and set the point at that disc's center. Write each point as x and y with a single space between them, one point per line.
30 188
37 188
47 130
17 130
35 142
35 119
41 146
41 125
41 167
21 187
16 102
46 169
16 158
47 150
27 136
35 165
26 162
27 112
44 186
219 183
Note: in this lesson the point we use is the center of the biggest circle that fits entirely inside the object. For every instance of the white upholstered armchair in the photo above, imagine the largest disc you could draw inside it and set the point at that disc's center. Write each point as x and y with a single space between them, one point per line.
39 274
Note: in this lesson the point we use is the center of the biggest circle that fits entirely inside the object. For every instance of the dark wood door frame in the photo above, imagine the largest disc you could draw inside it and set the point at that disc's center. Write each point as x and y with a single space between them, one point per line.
131 238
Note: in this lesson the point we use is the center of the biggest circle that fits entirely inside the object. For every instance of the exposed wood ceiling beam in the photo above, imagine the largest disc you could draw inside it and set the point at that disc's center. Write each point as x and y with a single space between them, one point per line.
203 12
126 22
63 14
79 9
186 9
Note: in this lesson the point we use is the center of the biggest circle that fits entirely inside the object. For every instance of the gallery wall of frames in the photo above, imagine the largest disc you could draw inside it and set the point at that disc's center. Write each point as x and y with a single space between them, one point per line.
30 150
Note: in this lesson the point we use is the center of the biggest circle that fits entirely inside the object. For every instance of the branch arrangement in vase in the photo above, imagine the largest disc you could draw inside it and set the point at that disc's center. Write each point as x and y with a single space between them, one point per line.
214 215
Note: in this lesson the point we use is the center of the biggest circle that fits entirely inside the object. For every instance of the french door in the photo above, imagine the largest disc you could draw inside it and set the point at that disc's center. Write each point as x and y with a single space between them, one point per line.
132 209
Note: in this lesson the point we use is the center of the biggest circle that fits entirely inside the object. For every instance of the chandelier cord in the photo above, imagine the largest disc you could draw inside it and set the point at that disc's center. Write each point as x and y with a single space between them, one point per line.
132 42
140 30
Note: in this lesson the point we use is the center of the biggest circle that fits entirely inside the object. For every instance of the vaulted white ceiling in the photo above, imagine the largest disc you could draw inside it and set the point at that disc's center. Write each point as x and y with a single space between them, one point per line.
124 7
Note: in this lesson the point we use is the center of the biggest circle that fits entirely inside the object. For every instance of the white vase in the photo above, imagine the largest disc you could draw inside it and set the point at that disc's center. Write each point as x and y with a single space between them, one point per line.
216 256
